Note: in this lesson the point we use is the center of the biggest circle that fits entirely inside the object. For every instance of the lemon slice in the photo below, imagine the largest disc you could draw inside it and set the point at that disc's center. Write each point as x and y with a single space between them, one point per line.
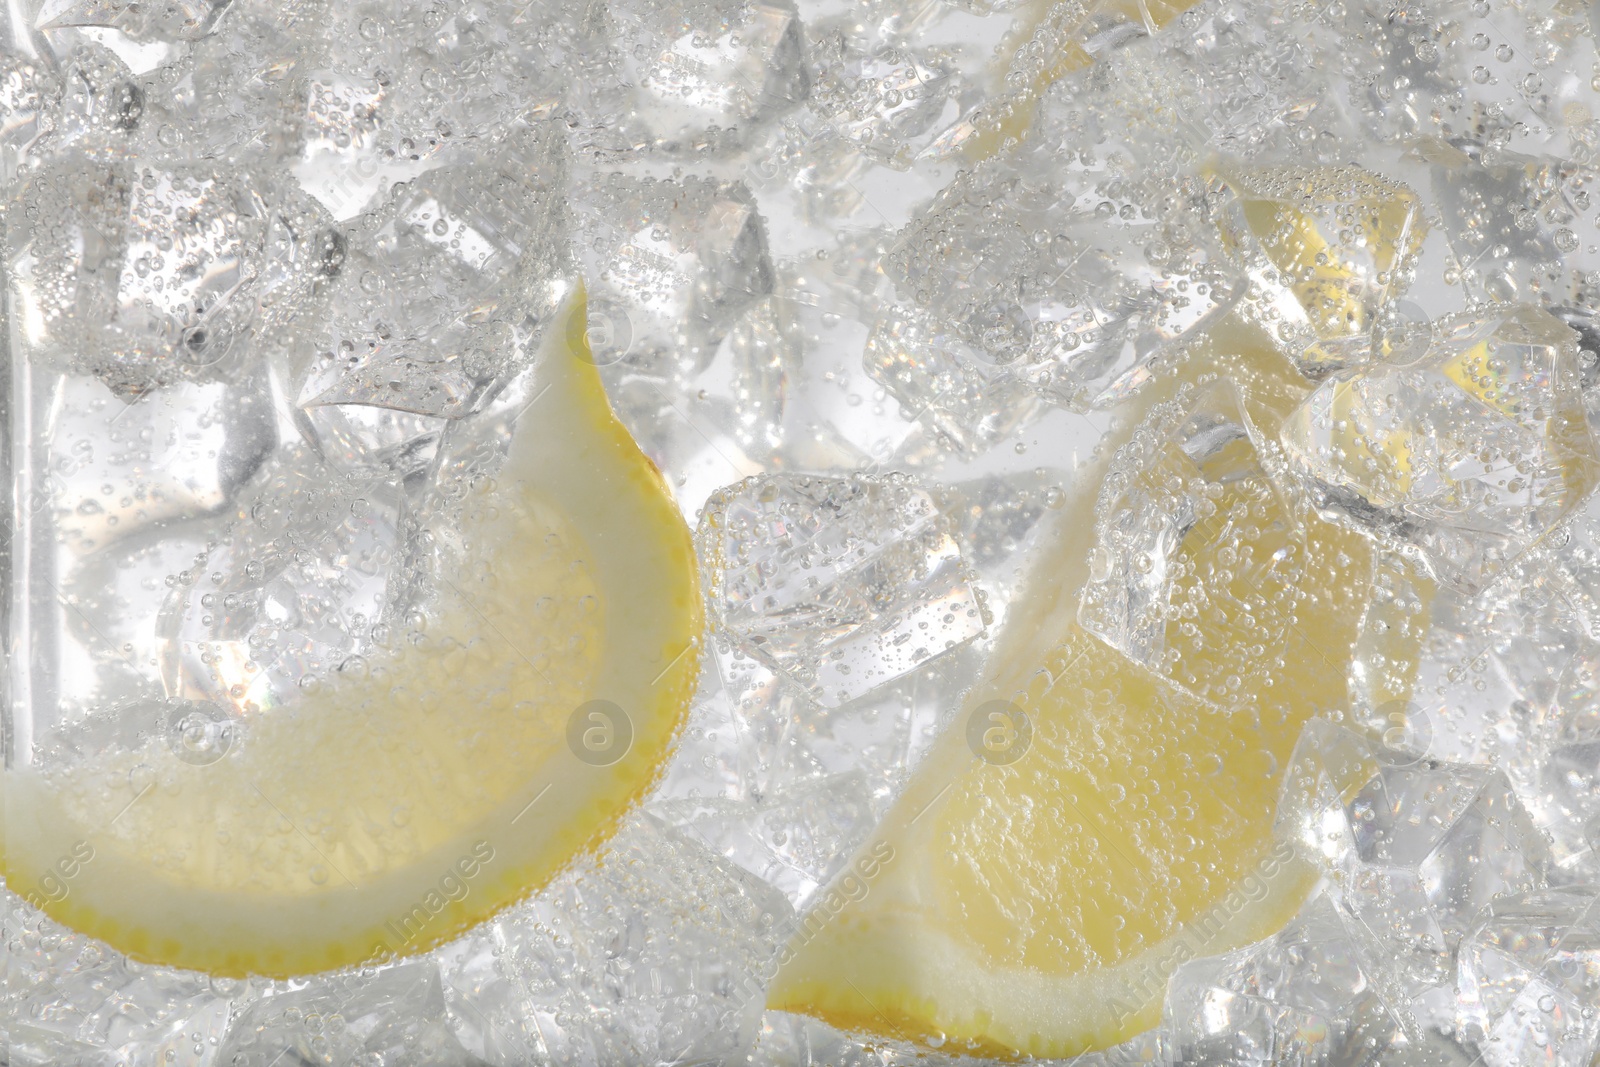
1104 813
383 814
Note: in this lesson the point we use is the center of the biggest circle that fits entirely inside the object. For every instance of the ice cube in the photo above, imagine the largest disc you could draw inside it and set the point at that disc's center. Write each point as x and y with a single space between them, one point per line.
1401 69
404 90
99 105
1497 73
1326 249
673 265
391 1014
968 399
997 516
183 20
143 275
761 352
28 95
440 300
1250 80
1470 452
1394 626
70 999
293 591
122 467
1223 77
656 951
879 101
1521 228
219 97
691 77
840 584
795 841
1078 275
1299 997
1493 673
1193 551
1416 847
709 415
1529 979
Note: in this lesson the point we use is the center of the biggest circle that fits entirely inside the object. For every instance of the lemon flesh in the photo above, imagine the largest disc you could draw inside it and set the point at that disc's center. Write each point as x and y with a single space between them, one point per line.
1038 906
384 814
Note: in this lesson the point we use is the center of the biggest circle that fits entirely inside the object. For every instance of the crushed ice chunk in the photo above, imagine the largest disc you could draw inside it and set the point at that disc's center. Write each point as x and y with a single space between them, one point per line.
1529 979
101 105
292 593
1299 998
397 358
122 467
690 76
1326 249
69 998
221 100
1080 275
1194 552
144 275
404 89
652 952
1520 228
1511 679
795 841
394 1014
177 20
879 101
1508 74
1471 452
27 92
672 266
967 398
840 584
1416 847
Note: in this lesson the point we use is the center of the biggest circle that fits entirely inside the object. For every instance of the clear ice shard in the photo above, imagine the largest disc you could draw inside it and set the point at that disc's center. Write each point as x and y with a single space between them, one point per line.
1469 453
1326 248
956 388
687 77
397 360
182 20
651 952
840 584
393 1015
1520 227
143 275
1297 999
1193 552
1080 272
1416 848
1529 979
879 101
673 266
69 1000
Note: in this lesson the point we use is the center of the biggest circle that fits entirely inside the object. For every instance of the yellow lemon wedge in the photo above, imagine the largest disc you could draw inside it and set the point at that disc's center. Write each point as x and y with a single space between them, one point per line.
1103 811
383 814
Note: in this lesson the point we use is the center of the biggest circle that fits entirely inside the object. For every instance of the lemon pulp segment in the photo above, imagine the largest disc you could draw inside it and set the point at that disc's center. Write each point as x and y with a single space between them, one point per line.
383 814
1038 906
